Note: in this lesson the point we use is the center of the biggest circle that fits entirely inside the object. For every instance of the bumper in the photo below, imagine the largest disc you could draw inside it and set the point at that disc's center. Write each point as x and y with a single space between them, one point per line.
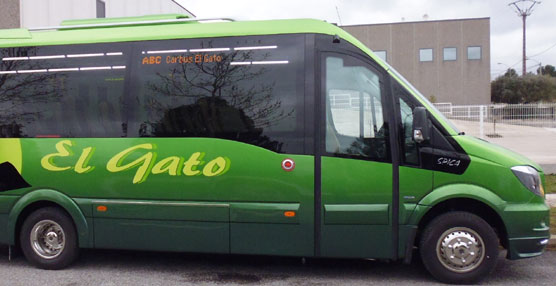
519 248
528 230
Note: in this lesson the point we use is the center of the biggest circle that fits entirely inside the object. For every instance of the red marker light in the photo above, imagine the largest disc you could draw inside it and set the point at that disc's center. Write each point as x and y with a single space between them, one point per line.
288 165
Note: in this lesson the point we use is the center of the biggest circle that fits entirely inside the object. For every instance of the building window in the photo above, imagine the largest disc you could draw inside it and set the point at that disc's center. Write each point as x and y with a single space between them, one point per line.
450 54
101 9
425 55
473 53
381 55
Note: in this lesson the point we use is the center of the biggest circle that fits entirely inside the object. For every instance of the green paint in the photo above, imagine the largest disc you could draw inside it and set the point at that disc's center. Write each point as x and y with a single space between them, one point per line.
213 195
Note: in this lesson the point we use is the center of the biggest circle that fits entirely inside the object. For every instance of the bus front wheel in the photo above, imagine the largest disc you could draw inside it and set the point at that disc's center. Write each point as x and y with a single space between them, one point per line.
459 247
48 238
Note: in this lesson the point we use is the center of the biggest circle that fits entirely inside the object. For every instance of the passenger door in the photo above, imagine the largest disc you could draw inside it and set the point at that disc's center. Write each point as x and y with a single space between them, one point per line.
356 168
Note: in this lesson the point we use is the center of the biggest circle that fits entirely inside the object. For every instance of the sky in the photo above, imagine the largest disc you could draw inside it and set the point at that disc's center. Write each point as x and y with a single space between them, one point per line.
505 24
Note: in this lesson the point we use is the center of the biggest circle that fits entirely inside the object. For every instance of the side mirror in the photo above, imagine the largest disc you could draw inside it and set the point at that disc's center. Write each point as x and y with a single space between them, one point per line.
421 129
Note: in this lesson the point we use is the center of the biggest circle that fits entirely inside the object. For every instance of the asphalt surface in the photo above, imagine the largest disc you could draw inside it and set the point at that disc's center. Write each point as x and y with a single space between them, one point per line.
103 268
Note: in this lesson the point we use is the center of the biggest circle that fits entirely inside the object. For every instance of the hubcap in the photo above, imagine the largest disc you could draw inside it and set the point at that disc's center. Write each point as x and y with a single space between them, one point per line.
460 249
47 239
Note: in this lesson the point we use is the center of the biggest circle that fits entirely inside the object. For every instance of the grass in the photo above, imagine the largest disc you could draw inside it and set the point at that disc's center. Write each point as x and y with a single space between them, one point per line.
550 187
552 220
552 227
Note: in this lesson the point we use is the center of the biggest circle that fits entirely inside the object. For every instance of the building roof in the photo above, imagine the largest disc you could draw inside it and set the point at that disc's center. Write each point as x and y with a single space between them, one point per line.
420 22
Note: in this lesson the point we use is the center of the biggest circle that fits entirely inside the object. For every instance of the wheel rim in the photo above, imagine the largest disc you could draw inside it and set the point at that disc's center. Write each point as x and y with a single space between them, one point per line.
47 239
460 249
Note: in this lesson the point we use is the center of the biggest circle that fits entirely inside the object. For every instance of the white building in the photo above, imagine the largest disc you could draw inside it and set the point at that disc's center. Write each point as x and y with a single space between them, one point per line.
41 13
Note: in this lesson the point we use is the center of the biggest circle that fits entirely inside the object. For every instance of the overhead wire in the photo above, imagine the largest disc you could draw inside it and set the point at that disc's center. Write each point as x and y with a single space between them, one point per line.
538 54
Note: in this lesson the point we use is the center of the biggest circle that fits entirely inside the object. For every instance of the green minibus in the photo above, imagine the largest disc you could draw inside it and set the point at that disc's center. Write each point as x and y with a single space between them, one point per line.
280 137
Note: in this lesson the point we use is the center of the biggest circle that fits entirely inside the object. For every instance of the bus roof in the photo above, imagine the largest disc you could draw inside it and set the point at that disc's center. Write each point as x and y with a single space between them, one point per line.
153 27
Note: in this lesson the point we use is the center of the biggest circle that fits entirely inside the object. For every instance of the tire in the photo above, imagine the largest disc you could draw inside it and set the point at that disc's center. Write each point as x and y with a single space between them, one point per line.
48 239
459 248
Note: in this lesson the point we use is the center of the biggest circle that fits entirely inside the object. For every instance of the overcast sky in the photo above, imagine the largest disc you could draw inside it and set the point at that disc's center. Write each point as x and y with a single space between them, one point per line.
505 25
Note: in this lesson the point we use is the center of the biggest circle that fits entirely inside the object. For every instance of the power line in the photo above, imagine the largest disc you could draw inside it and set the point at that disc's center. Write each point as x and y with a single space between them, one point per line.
523 12
538 54
339 19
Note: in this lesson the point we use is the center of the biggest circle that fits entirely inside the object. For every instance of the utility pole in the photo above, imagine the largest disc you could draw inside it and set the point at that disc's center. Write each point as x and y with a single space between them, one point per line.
523 12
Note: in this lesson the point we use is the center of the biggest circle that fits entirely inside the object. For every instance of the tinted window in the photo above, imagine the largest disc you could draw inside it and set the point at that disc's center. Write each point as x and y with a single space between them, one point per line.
355 122
62 91
381 55
450 54
248 89
473 53
425 55
409 148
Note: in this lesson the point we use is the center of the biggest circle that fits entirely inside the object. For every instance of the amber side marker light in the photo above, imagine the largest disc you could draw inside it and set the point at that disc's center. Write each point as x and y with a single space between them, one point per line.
289 214
102 208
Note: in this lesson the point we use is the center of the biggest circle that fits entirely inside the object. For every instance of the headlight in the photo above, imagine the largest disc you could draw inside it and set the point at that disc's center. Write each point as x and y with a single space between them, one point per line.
530 178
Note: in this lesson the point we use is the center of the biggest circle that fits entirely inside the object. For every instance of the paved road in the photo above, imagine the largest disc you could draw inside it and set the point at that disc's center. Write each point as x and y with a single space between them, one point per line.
536 143
103 268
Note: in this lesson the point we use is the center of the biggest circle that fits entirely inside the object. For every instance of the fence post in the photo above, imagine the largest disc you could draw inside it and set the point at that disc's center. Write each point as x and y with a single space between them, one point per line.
481 120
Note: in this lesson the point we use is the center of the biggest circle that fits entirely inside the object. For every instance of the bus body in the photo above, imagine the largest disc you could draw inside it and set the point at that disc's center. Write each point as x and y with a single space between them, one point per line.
283 137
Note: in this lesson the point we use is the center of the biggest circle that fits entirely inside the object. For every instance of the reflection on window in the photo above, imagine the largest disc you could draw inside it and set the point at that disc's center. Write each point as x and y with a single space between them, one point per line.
62 91
450 54
473 53
425 55
410 151
244 89
381 55
355 123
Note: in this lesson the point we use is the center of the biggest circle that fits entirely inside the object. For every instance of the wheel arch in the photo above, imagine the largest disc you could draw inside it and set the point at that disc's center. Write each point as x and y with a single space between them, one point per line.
42 198
461 197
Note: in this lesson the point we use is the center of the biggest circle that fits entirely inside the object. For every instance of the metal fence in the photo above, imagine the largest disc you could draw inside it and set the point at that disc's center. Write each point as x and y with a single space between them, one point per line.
486 117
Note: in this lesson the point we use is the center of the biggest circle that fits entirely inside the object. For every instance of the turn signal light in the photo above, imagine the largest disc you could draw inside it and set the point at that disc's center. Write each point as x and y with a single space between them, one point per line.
102 208
289 214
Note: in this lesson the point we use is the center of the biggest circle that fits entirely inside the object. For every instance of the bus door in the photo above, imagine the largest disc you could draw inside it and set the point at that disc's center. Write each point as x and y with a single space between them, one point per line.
356 169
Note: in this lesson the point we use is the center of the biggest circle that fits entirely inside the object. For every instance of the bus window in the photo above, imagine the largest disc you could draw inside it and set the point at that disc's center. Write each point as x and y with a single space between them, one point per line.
68 91
247 89
355 124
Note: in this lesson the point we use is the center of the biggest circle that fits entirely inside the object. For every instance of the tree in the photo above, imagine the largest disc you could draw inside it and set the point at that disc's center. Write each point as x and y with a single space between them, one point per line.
530 88
510 73
548 70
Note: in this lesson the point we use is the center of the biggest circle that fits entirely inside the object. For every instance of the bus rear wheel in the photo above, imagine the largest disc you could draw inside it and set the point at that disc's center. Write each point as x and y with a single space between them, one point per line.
459 247
48 239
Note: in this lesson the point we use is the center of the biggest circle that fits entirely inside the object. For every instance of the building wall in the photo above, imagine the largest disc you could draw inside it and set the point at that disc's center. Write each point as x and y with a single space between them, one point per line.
461 81
9 14
127 8
42 13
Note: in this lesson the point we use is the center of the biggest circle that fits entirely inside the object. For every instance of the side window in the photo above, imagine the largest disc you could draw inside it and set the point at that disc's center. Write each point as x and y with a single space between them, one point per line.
247 89
410 151
62 91
355 121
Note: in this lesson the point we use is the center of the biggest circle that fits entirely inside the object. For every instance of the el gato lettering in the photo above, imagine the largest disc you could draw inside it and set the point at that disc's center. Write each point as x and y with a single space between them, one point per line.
145 165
